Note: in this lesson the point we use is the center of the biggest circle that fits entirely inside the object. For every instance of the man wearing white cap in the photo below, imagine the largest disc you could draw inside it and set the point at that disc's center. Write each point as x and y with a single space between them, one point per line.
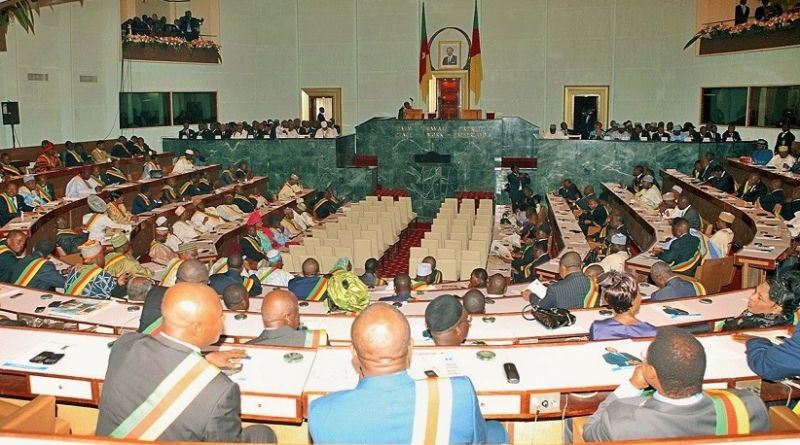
182 228
618 254
669 206
303 218
649 195
185 163
783 160
290 189
89 279
160 252
325 131
29 192
424 271
273 274
291 227
723 237
97 222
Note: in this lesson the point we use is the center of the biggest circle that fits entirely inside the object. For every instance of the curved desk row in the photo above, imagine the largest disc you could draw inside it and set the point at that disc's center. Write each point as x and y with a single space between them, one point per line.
741 171
567 235
273 389
763 237
508 327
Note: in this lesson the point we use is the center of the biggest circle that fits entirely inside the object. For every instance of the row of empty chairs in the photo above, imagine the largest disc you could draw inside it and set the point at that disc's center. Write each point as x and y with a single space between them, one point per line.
367 230
459 238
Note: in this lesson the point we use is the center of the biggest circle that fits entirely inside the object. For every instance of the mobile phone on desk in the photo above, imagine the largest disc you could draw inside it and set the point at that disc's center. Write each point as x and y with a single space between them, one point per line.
512 376
431 374
52 359
40 309
39 358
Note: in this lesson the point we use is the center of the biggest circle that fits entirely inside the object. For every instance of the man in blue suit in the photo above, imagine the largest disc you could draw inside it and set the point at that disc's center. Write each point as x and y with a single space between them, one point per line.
385 400
671 285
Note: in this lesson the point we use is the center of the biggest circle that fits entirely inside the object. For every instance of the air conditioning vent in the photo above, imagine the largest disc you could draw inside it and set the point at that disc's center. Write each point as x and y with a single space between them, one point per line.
38 77
88 79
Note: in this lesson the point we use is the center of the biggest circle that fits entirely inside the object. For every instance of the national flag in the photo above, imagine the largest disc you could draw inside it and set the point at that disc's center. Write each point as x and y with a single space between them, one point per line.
425 74
475 64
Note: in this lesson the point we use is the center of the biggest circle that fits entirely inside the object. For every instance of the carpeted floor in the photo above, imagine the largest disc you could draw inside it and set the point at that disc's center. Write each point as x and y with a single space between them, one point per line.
394 263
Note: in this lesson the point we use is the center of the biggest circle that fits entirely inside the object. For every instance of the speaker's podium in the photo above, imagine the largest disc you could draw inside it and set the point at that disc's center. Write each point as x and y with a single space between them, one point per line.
412 114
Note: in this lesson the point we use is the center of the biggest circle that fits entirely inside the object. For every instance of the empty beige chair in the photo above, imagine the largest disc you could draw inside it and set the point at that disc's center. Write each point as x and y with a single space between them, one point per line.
371 199
321 251
412 265
461 237
36 417
443 253
480 235
443 229
430 244
331 242
419 252
459 229
435 235
455 246
345 238
453 201
480 246
312 243
449 269
372 215
472 255
467 266
288 265
319 232
362 250
390 236
373 237
355 227
333 231
326 262
486 203
381 246
295 253
344 252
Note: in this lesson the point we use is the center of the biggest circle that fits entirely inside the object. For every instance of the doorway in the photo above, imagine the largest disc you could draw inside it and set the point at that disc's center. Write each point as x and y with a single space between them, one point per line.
329 99
585 105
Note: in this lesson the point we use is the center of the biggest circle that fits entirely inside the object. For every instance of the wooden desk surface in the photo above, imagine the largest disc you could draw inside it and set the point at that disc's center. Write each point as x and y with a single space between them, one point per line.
741 171
567 235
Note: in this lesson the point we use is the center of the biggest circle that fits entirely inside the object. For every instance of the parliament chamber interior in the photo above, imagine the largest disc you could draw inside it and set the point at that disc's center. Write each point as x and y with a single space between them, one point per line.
407 221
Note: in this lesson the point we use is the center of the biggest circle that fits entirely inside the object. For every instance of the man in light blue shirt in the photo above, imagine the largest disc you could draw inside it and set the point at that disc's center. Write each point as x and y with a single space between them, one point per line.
388 405
762 155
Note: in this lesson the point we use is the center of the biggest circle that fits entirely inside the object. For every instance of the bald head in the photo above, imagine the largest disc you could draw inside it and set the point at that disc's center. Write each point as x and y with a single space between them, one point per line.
497 285
280 309
236 297
310 268
192 271
381 340
474 302
192 313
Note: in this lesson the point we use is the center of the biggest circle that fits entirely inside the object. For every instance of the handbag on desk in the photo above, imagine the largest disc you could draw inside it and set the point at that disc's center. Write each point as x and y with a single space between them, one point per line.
550 318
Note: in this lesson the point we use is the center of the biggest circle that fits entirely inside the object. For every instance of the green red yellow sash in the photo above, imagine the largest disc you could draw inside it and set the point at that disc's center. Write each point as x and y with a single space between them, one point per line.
145 199
116 173
592 297
173 268
30 271
10 203
170 191
185 186
688 264
75 156
114 258
266 273
255 243
248 283
13 171
419 285
319 290
319 204
89 273
44 192
92 220
97 179
732 416
316 338
155 328
170 398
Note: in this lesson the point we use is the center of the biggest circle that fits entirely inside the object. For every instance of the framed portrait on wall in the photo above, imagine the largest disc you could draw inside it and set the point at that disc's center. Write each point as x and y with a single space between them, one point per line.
450 55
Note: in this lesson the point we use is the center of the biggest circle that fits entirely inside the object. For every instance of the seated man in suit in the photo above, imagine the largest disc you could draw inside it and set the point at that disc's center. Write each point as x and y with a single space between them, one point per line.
752 189
36 270
594 218
309 286
574 290
402 288
11 204
281 315
674 367
236 298
721 180
68 239
447 321
474 302
522 260
235 262
688 212
115 175
189 271
371 277
185 396
775 196
671 286
568 190
144 201
683 254
381 354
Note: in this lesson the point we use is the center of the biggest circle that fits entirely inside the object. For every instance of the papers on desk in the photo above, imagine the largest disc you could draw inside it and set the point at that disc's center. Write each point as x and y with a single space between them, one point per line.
75 309
538 289
443 363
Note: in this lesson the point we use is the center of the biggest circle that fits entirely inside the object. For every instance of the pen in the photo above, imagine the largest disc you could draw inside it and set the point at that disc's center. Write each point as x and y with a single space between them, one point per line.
18 294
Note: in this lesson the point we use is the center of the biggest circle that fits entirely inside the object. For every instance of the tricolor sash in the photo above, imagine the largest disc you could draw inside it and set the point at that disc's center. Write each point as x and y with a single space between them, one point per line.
173 268
170 398
686 265
170 192
699 289
11 170
44 192
117 174
4 248
291 222
318 205
248 283
10 203
75 156
239 171
115 258
255 243
123 147
154 328
145 199
592 297
219 267
265 274
319 290
185 186
419 285
433 406
97 179
732 416
92 220
204 181
89 273
316 338
30 271
65 232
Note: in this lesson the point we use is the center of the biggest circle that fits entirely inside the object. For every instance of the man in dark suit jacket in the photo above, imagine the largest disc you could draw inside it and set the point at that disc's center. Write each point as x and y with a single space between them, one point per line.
186 132
671 285
595 217
675 367
302 286
516 182
683 252
767 10
281 315
144 201
574 290
790 208
721 180
689 213
233 275
731 135
775 196
139 364
742 12
752 189
141 289
36 271
785 137
449 59
11 204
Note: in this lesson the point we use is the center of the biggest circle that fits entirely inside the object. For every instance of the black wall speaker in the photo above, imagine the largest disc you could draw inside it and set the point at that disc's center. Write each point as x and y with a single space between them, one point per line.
10 112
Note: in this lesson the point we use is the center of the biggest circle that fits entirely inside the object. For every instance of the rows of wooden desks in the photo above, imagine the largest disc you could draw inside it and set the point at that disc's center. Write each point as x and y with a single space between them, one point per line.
567 236
274 390
741 171
761 236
